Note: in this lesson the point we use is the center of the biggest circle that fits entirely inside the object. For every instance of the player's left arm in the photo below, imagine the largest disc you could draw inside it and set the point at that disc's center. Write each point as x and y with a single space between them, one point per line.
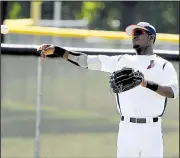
167 89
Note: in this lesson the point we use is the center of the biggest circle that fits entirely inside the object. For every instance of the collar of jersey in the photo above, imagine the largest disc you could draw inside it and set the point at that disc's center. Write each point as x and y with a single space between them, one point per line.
153 55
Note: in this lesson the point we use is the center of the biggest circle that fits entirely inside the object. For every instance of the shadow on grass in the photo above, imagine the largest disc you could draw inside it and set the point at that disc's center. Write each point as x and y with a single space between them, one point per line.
22 124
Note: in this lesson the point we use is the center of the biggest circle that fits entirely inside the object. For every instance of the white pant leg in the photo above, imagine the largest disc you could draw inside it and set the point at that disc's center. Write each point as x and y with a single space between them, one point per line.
152 146
127 143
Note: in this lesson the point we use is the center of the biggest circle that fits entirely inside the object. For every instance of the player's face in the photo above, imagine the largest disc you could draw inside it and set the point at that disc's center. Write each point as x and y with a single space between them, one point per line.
140 38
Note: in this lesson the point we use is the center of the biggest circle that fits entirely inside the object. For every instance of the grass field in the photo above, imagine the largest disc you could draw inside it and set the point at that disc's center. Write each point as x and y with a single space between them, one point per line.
76 122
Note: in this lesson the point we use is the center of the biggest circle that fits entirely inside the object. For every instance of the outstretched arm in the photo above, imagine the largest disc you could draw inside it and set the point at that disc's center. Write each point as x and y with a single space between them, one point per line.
76 58
92 62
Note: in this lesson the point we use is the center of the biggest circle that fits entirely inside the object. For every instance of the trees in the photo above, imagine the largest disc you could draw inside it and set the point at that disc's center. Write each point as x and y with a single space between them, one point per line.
163 15
110 15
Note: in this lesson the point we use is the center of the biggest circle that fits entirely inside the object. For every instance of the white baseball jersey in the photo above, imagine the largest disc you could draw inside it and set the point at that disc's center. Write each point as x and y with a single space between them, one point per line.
139 101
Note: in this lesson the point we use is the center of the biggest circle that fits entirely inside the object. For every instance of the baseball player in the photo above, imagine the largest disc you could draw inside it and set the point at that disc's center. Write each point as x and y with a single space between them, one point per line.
141 83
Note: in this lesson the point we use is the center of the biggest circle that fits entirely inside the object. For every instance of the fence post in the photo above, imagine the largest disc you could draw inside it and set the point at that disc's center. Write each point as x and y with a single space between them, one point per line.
38 107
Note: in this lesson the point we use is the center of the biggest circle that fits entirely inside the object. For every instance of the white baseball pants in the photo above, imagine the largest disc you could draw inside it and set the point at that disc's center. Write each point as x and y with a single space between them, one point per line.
140 140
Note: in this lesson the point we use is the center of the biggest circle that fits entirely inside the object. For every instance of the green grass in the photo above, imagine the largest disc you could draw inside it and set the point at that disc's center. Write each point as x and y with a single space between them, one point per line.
67 145
75 145
67 133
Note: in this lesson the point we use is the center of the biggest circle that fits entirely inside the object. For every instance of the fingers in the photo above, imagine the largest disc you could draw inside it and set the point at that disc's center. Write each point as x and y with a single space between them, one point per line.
46 49
43 56
50 47
43 46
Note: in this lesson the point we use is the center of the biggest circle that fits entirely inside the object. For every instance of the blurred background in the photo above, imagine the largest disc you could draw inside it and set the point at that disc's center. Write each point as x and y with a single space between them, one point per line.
109 16
78 113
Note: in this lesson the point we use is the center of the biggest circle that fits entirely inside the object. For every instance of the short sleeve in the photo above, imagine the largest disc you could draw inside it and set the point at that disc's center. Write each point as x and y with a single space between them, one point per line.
170 78
102 62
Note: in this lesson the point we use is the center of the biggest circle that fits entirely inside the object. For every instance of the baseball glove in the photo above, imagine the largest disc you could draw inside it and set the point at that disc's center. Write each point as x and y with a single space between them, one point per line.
125 79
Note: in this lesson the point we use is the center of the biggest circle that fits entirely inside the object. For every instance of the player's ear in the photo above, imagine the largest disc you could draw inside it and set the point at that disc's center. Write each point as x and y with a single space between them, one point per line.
151 38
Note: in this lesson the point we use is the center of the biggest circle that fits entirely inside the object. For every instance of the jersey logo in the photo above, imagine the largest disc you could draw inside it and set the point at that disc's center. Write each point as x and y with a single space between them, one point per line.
151 64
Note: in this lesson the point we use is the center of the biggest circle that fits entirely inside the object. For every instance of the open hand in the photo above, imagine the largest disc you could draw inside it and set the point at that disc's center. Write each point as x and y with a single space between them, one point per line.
46 49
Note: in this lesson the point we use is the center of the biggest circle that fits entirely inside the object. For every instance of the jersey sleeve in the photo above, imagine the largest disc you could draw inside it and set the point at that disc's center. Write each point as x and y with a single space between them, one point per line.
102 62
170 78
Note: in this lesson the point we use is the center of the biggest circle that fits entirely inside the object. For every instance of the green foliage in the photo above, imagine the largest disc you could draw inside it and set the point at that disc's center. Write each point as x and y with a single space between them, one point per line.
15 10
109 15
117 15
89 10
18 9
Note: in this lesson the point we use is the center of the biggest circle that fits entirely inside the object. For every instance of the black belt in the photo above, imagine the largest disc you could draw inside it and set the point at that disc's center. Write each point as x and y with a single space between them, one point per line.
139 120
